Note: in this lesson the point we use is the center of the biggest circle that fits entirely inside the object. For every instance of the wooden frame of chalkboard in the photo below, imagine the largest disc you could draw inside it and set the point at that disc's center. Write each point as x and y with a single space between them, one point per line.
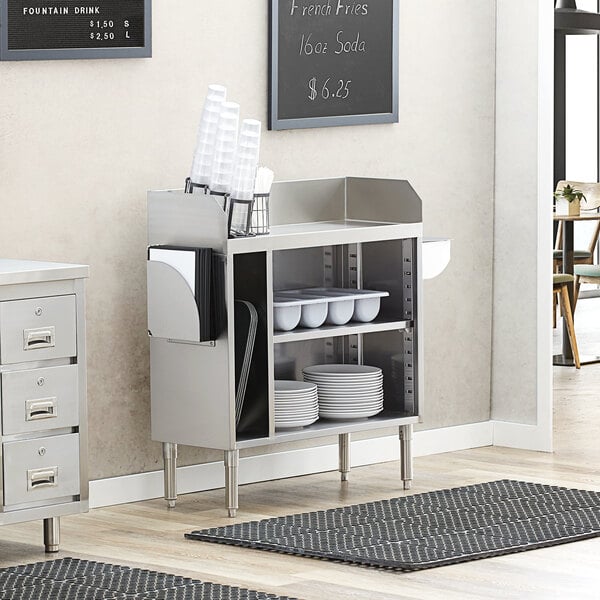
64 29
332 62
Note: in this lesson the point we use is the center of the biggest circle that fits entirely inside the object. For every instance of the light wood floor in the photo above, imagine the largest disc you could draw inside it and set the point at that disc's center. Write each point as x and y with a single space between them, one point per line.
147 534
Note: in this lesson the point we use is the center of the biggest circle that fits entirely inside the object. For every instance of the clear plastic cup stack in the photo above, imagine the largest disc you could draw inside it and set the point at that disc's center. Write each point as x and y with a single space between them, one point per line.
225 148
206 138
246 160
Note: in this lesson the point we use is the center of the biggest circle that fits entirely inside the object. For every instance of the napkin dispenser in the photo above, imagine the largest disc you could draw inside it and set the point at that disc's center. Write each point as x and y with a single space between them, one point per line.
186 300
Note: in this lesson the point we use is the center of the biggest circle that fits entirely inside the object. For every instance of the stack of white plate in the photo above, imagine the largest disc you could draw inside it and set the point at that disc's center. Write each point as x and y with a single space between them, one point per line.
296 404
347 391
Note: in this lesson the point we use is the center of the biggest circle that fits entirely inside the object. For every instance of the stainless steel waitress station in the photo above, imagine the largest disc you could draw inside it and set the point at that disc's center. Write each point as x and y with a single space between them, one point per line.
343 232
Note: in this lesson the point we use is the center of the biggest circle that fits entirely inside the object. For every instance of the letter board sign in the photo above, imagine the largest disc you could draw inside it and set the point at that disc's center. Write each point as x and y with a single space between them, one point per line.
55 29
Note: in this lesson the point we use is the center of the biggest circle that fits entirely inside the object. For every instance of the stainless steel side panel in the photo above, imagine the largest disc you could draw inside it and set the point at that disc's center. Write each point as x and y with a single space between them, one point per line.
192 401
41 469
40 399
37 329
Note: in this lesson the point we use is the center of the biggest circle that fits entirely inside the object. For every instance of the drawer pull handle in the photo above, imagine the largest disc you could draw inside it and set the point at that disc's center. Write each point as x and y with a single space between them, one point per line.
38 338
45 408
42 478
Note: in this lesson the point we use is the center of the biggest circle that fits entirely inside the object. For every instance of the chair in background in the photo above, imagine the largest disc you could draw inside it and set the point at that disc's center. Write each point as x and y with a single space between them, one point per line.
560 288
581 256
585 274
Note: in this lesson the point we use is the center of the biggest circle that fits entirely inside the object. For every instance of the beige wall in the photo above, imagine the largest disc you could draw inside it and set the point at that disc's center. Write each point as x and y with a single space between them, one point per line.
82 141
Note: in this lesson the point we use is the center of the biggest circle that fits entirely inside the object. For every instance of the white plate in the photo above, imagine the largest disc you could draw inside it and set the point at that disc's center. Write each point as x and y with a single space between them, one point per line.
295 424
349 407
344 382
348 384
334 407
295 414
346 402
295 405
293 394
295 418
354 390
283 386
285 417
340 369
343 376
351 397
287 403
303 397
346 415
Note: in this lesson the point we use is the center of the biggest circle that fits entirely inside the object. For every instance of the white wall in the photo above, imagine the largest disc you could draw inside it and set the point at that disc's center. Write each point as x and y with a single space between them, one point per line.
521 349
82 141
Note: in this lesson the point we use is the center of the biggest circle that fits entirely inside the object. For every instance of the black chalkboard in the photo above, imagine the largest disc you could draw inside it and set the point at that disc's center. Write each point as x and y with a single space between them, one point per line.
44 29
333 62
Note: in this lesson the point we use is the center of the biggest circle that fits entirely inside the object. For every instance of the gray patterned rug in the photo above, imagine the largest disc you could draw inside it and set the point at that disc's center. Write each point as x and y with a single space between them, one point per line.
428 530
75 579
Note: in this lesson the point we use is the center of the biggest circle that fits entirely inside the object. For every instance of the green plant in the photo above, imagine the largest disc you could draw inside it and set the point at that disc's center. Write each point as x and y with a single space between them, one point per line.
569 193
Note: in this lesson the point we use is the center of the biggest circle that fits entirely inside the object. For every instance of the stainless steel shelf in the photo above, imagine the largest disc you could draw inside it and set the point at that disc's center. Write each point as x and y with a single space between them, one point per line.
307 235
327 331
324 427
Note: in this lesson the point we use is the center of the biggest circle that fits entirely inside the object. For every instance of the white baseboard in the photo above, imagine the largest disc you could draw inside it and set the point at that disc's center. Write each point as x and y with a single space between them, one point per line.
524 437
195 478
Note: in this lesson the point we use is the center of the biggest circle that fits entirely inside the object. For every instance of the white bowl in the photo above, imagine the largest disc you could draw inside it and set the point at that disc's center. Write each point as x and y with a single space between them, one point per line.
313 315
436 256
286 317
366 309
313 310
340 312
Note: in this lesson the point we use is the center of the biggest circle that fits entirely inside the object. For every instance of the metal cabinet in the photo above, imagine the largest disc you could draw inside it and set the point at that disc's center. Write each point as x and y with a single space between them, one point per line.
43 434
342 232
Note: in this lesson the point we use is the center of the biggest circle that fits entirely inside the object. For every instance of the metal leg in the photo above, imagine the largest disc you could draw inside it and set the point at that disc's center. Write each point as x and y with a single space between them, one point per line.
170 472
232 462
344 447
52 534
406 466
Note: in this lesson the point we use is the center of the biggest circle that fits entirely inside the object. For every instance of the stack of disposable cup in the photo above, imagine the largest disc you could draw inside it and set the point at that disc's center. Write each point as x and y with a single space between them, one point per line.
207 130
246 160
225 148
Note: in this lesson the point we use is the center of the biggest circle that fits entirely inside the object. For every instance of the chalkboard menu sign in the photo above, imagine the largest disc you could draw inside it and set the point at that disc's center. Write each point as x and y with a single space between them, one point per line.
50 29
333 62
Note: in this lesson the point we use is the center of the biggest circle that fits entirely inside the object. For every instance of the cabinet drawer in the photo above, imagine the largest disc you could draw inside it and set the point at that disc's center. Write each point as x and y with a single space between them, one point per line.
38 399
37 329
41 469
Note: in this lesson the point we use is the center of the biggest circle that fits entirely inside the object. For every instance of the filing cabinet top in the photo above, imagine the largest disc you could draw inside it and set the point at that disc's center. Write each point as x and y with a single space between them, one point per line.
32 271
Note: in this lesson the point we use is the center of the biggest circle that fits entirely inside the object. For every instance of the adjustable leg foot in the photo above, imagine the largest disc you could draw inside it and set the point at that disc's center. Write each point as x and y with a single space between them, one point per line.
52 534
344 448
406 464
232 461
170 472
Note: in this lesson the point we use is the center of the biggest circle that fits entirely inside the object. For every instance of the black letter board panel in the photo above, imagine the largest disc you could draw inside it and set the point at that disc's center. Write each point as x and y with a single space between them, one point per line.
51 29
333 62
